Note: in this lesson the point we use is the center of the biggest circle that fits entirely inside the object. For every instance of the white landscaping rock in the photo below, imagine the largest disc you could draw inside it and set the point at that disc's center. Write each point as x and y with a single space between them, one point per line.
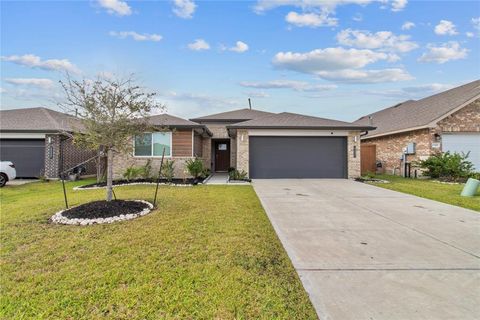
59 218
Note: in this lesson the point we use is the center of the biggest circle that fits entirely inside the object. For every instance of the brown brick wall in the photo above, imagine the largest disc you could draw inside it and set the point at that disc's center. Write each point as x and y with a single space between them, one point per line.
390 148
465 120
72 155
182 143
181 151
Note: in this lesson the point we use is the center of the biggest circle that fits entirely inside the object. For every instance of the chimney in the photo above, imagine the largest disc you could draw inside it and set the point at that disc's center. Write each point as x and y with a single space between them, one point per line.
250 103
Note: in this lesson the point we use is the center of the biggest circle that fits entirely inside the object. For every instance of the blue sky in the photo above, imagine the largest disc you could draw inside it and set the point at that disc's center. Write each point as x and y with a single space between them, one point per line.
337 59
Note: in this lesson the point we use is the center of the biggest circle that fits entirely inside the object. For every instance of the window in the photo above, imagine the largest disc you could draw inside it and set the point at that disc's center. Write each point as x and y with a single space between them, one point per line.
152 144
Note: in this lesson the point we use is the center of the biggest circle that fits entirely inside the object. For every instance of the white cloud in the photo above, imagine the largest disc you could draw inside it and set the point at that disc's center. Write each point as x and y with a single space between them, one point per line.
35 82
288 84
184 8
399 5
310 19
412 92
328 59
33 61
342 65
408 25
117 7
358 17
239 47
257 94
476 25
366 76
444 53
136 36
199 45
445 27
327 5
383 40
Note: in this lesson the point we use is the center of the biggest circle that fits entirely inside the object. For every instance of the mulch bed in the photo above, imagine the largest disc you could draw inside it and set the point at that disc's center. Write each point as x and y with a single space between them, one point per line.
185 182
104 209
361 179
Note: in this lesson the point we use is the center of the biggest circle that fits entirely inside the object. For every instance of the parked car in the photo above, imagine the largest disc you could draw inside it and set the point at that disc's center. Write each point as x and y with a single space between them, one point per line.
7 172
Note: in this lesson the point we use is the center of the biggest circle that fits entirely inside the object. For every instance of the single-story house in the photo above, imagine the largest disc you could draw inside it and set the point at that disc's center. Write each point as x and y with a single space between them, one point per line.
182 140
36 140
447 121
263 144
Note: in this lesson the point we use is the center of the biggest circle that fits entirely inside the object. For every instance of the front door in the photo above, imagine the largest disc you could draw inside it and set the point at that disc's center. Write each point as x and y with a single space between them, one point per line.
222 156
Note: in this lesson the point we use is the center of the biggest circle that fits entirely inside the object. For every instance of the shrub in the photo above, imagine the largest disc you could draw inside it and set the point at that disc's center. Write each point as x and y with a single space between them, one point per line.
168 170
237 175
146 171
205 172
132 173
194 167
447 166
369 175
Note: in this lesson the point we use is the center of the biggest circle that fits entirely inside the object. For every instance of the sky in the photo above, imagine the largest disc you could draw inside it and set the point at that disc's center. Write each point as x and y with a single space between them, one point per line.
338 59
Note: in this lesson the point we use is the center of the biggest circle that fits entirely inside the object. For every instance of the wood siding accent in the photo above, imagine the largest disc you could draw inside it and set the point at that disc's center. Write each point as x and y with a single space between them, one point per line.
197 146
368 159
182 143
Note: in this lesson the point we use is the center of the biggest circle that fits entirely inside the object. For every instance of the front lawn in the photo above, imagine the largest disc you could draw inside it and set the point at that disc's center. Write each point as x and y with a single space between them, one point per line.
209 252
447 193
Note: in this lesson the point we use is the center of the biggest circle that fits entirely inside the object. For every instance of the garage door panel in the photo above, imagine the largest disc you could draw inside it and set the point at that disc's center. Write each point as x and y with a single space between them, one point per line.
28 155
463 143
298 157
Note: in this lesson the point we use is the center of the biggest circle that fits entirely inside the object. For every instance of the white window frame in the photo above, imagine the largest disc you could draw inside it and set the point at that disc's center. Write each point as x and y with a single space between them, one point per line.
151 151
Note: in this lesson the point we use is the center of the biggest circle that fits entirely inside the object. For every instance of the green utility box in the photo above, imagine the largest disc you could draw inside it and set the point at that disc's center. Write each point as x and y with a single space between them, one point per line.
470 188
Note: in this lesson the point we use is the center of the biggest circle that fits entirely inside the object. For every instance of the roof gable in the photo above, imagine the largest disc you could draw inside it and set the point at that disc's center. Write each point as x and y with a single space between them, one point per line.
169 120
234 116
38 119
412 115
288 120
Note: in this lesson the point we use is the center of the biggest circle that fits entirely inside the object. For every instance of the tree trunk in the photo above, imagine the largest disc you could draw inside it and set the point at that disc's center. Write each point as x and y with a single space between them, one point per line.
109 174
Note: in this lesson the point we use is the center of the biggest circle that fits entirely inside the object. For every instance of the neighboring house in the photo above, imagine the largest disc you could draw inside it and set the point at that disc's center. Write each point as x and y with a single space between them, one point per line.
447 121
37 141
181 139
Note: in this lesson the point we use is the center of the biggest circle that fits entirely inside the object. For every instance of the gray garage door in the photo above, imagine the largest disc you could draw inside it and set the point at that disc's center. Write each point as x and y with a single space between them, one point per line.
28 155
298 157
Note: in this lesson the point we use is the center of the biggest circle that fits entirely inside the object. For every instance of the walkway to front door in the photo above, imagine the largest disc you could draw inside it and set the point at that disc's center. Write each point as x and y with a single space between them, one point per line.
364 252
222 155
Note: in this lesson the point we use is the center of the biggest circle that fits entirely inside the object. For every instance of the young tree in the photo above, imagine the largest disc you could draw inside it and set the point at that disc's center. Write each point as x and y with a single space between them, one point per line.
111 111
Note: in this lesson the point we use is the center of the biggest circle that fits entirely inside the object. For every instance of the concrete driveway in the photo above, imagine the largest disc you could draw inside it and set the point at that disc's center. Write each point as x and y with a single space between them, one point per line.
364 252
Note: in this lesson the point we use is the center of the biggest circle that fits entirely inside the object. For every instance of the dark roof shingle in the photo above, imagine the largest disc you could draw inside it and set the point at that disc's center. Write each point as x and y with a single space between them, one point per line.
287 120
419 114
37 119
234 116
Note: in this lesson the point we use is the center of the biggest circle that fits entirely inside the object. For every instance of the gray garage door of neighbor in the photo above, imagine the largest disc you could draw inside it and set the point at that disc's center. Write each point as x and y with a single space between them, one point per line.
28 155
297 157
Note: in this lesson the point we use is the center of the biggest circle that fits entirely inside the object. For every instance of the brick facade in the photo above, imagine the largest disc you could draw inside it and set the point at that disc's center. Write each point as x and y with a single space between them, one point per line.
390 148
353 156
242 150
62 154
182 150
428 141
465 120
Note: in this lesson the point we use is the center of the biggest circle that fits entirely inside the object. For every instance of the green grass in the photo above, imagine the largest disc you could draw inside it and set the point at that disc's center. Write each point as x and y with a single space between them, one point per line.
209 252
447 193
